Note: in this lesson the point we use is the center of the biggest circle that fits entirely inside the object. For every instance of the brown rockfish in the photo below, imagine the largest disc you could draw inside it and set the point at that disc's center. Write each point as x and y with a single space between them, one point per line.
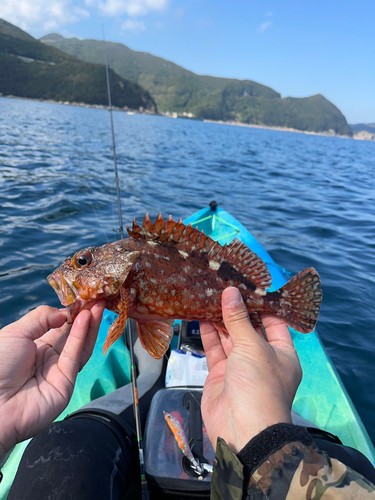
166 271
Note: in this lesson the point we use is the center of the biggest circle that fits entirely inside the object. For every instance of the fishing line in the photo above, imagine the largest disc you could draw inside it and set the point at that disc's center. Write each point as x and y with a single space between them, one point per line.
144 486
96 215
113 140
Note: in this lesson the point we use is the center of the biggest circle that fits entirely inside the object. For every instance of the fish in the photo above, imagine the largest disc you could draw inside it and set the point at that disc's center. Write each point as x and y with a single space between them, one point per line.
167 270
181 439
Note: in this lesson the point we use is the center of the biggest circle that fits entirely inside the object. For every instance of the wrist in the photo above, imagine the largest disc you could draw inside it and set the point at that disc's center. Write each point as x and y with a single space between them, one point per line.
251 428
270 440
267 442
3 449
8 438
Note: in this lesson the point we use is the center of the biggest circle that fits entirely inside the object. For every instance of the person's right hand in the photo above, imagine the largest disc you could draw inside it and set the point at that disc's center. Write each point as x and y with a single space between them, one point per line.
252 381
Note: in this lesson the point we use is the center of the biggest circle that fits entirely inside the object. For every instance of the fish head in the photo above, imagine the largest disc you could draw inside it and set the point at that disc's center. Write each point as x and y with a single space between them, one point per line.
93 273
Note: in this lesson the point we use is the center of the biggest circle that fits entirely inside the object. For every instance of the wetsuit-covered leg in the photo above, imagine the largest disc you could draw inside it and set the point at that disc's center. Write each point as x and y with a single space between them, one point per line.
77 459
93 453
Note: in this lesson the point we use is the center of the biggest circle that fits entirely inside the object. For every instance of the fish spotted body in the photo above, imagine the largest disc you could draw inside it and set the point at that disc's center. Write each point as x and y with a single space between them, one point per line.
166 271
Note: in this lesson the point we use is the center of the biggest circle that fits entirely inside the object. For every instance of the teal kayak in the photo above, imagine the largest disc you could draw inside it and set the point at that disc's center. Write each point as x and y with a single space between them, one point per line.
321 398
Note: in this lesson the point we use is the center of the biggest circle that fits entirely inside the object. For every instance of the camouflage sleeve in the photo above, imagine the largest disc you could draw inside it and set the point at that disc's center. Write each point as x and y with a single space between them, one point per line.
282 463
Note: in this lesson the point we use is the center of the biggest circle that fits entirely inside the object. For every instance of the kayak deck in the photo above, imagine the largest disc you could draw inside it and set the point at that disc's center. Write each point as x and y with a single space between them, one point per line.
321 398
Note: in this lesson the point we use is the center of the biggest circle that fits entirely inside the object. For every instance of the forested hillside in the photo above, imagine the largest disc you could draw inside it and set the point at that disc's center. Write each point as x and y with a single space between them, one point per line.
33 69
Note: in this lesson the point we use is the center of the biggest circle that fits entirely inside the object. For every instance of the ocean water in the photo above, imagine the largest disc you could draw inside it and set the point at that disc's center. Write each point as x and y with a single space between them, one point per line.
309 200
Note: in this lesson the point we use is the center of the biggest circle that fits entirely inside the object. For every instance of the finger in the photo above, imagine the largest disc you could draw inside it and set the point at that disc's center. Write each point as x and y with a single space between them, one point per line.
69 359
226 342
54 341
212 345
260 332
276 329
55 338
96 317
37 322
236 318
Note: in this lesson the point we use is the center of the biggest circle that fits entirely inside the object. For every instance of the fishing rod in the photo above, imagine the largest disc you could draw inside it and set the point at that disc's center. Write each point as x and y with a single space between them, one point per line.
137 416
144 486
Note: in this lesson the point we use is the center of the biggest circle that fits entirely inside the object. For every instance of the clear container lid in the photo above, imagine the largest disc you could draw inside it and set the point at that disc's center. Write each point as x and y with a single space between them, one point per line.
163 457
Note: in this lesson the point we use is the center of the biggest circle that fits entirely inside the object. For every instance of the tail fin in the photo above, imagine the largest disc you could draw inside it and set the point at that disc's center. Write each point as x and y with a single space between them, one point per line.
300 301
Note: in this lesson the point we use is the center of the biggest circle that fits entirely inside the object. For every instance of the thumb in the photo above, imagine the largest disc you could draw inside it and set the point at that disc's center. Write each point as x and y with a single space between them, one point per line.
236 318
37 322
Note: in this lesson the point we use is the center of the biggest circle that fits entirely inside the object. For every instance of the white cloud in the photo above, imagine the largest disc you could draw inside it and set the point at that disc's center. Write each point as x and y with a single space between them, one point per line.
52 15
133 25
46 14
82 12
130 7
262 28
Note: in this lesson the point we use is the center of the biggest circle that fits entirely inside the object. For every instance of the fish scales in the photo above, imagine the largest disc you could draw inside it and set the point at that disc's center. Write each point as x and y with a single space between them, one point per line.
166 271
171 284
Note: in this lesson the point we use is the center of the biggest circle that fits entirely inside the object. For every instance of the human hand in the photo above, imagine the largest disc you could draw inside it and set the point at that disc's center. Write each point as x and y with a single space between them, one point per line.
252 381
40 357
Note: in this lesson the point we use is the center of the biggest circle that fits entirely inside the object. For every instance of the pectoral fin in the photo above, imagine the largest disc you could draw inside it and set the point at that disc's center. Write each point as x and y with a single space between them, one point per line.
117 328
155 336
220 327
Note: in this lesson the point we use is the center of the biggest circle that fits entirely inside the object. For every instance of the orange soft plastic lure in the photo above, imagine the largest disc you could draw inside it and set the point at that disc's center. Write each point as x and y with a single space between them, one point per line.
181 439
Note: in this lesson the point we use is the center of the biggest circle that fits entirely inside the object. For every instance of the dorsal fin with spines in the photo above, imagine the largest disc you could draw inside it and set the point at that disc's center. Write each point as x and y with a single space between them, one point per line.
189 239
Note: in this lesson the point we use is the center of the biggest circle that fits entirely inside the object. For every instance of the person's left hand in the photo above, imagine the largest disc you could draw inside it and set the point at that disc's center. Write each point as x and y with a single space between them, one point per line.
40 357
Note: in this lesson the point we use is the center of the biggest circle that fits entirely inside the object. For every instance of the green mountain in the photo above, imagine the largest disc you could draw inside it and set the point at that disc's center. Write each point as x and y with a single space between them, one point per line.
176 89
30 68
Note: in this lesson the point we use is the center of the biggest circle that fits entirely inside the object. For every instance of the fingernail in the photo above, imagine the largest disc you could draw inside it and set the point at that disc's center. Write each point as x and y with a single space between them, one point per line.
232 296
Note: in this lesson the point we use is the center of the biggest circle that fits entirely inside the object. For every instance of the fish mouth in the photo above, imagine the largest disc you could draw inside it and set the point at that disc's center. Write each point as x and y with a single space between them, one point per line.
67 295
64 291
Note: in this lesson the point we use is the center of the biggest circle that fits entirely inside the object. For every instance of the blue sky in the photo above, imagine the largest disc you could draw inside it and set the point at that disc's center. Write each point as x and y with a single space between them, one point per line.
298 48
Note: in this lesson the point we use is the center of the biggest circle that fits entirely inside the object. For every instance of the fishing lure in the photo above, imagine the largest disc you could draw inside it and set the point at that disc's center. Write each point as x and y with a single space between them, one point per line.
182 442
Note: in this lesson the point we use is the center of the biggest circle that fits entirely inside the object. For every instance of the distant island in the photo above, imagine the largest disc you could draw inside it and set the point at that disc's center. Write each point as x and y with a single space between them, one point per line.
184 93
363 131
32 69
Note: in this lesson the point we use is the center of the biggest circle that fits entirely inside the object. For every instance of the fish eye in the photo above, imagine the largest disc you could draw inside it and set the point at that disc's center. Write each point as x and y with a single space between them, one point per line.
83 260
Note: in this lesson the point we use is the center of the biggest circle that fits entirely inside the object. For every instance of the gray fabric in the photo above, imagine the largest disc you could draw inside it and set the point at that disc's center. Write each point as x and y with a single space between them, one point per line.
298 420
149 370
